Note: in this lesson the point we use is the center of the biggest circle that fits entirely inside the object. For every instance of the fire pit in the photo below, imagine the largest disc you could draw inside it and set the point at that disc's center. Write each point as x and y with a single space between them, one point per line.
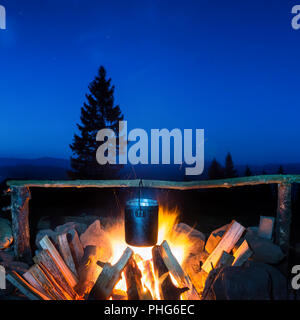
119 260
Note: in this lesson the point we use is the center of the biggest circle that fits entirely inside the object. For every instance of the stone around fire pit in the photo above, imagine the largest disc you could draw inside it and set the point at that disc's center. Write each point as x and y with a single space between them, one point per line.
65 228
253 281
6 237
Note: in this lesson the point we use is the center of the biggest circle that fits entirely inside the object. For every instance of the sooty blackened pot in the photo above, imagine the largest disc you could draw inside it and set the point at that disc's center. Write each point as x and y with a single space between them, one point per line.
141 222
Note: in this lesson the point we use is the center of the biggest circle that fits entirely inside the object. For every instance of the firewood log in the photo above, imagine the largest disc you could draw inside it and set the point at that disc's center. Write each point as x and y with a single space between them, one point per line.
167 290
242 254
75 247
27 289
38 279
229 239
46 244
109 276
45 260
88 270
66 253
181 277
133 276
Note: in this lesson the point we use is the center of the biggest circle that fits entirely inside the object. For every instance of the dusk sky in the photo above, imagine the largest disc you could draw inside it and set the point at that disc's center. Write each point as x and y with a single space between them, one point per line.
229 67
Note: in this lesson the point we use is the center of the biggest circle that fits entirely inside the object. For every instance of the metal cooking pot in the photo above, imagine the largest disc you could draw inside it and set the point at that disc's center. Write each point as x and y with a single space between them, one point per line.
141 222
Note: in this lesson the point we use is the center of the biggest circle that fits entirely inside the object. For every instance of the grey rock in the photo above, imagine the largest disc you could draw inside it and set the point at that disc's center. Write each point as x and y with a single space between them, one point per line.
6 237
264 250
65 228
42 233
240 283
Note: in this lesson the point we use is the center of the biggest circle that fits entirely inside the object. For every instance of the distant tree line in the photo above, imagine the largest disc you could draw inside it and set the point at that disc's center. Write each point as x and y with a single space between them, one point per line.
217 171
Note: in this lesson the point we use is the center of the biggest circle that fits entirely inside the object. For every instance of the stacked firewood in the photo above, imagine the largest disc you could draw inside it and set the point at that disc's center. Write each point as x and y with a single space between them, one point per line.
66 270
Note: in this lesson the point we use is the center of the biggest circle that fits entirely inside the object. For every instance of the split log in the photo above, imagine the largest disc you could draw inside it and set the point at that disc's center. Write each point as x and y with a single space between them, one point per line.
242 254
46 244
45 260
230 238
109 276
167 290
181 277
88 270
148 269
225 260
66 253
36 276
75 247
133 276
27 289
266 226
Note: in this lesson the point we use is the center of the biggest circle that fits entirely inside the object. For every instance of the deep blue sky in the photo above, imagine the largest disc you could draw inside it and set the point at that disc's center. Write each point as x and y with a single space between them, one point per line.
230 67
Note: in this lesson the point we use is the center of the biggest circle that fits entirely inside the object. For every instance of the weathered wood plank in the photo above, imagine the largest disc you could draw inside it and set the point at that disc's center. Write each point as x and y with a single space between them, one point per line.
228 241
179 185
226 259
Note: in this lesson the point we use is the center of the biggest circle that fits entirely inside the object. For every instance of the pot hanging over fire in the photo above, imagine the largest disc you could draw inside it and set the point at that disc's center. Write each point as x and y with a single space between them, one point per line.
141 222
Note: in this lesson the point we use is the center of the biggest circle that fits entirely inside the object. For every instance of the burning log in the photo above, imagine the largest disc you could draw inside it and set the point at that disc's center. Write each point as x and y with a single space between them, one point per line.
181 277
242 254
28 290
230 238
47 245
167 290
66 253
133 276
88 270
45 260
109 276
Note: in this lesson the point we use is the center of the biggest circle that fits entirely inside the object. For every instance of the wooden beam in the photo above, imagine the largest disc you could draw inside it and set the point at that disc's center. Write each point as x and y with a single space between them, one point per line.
228 241
284 216
20 197
177 185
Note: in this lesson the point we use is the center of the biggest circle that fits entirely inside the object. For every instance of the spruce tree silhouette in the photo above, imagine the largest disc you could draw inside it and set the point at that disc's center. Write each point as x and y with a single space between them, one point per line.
280 170
215 170
229 169
248 172
97 113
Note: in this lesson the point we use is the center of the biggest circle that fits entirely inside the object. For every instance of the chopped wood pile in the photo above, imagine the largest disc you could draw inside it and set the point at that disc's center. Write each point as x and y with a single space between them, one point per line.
67 269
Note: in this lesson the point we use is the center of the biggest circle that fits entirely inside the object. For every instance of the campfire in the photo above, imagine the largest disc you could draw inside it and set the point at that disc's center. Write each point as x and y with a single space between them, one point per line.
100 265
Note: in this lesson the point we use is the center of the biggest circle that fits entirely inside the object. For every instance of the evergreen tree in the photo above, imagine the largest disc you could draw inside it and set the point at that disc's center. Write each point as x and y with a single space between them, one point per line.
248 172
97 113
280 170
230 171
215 170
